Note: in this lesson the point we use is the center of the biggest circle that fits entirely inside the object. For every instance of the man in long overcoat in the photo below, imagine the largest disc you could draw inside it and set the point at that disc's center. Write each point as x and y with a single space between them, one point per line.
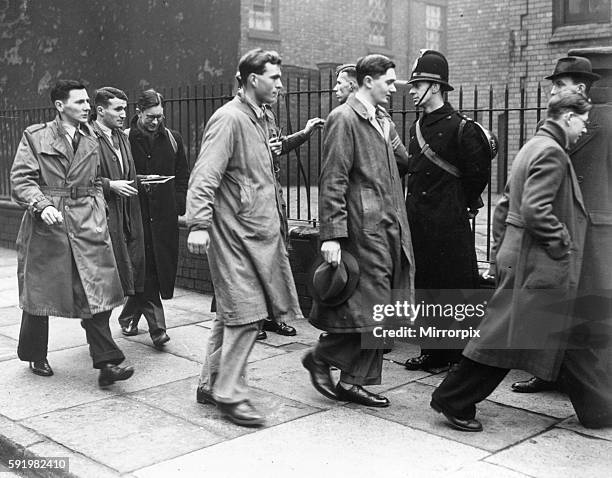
119 182
233 211
439 194
541 239
66 265
156 150
362 211
591 157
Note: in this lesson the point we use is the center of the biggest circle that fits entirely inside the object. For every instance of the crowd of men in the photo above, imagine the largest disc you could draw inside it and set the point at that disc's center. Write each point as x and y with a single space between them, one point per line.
101 224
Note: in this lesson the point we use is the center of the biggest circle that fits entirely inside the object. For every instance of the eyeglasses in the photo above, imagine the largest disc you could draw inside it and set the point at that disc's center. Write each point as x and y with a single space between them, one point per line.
154 117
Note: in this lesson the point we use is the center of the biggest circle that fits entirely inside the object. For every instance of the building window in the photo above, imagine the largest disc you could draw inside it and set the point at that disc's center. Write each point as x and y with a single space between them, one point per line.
577 12
434 27
379 23
263 15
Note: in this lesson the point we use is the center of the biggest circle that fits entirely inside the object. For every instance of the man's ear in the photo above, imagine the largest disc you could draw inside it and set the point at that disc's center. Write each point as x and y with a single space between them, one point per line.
59 105
253 80
367 81
99 109
436 87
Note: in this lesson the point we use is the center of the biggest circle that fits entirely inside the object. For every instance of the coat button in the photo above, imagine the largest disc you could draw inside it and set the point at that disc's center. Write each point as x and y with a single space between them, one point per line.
448 117
580 179
148 156
409 194
66 207
424 193
71 235
440 134
98 229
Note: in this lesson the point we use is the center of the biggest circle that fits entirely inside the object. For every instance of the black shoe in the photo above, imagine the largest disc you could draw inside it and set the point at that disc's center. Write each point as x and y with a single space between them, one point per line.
130 329
465 425
110 374
242 413
425 362
261 335
533 385
280 328
358 394
204 395
319 375
41 368
160 339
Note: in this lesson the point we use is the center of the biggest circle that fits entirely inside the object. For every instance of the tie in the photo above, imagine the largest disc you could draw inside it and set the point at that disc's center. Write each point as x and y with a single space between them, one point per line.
115 138
75 140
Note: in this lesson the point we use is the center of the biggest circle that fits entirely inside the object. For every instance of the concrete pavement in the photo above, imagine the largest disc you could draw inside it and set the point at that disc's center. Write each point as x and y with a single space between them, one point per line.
151 425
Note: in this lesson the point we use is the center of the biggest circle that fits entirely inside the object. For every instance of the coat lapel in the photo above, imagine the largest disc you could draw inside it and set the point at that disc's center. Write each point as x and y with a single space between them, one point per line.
591 132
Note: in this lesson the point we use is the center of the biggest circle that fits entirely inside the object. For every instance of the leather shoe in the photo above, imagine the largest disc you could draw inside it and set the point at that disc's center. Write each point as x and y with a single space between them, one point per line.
41 368
261 335
425 362
533 385
465 425
280 328
130 329
319 375
110 374
160 339
204 395
242 413
358 394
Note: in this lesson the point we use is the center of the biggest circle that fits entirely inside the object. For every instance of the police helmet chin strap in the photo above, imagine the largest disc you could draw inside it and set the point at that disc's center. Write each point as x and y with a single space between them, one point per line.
424 94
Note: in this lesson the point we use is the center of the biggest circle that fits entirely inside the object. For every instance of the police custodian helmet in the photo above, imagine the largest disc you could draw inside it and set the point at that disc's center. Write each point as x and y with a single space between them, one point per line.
431 66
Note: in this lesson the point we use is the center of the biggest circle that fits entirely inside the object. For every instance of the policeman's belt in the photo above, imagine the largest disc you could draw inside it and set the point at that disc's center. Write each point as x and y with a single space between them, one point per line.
73 192
433 156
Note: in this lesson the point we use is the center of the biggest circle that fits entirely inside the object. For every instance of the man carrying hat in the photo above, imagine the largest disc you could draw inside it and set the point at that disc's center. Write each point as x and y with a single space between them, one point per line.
588 363
440 190
364 222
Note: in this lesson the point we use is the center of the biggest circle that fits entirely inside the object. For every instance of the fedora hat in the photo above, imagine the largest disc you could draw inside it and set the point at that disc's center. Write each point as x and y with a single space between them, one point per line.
431 66
331 286
574 66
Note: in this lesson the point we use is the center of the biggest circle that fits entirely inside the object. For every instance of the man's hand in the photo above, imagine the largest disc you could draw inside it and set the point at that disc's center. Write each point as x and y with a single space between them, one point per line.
122 187
330 250
51 216
276 145
313 123
198 242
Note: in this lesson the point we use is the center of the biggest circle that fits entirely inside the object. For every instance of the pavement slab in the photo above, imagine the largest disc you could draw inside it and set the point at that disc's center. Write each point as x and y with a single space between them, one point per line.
179 399
552 403
10 315
573 424
503 426
192 302
121 433
75 382
9 271
337 442
558 453
481 469
8 348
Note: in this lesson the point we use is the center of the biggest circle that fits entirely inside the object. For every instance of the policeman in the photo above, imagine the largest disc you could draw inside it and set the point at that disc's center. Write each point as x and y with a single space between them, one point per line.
449 164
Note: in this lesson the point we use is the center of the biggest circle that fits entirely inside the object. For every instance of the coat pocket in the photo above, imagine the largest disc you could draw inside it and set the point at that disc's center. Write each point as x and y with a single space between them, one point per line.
544 272
371 206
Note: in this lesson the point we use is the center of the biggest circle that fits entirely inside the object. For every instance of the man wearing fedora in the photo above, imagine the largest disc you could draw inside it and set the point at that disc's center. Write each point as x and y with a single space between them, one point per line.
440 191
366 246
588 363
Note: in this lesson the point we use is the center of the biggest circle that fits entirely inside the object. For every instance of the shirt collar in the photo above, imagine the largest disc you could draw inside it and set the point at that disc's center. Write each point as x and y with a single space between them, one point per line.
370 108
258 110
105 129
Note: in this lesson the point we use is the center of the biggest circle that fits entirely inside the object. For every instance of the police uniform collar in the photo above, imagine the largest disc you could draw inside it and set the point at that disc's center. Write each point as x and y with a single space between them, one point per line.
436 115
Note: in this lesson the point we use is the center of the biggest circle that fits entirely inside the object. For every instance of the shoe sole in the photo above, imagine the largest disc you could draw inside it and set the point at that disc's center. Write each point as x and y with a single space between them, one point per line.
41 374
438 409
309 360
107 383
245 423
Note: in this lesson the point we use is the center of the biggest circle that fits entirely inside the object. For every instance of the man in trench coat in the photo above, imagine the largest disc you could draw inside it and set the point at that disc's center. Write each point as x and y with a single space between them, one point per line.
362 211
119 182
541 239
233 211
591 157
66 265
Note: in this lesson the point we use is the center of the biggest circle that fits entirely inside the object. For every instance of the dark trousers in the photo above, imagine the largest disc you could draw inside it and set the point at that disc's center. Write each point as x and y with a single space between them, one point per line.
466 384
357 366
147 303
34 339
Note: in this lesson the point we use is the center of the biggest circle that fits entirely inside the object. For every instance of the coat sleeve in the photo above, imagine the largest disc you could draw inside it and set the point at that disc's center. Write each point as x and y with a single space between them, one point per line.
546 174
216 150
25 177
499 221
476 163
181 174
334 179
295 140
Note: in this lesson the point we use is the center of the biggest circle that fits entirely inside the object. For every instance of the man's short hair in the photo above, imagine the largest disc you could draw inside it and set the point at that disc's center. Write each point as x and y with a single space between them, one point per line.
372 65
255 61
149 99
103 95
348 68
61 90
567 101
